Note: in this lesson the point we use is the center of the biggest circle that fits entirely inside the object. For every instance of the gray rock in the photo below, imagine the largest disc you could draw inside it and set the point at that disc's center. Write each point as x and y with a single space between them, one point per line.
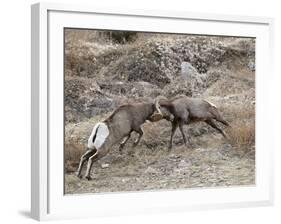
187 70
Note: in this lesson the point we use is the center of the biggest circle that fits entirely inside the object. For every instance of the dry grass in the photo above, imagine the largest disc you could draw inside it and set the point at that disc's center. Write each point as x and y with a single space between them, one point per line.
242 120
233 111
242 134
73 152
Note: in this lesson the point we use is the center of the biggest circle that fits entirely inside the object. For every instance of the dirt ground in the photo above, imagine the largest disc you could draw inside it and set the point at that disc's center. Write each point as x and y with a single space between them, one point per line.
183 167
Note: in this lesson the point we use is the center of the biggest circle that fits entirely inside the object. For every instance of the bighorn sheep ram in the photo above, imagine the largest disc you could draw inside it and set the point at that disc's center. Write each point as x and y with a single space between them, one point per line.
186 110
118 126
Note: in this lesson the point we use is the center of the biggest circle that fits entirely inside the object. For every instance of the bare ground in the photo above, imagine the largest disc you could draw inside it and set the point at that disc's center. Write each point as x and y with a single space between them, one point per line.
144 169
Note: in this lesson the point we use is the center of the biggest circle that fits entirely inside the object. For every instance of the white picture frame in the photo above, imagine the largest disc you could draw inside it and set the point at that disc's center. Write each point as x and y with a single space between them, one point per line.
47 198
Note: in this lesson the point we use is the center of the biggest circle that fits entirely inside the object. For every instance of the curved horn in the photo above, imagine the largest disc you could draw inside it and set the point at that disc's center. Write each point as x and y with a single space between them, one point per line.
157 106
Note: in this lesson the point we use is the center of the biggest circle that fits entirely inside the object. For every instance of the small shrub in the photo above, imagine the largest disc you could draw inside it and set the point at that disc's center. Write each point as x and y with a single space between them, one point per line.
121 37
242 134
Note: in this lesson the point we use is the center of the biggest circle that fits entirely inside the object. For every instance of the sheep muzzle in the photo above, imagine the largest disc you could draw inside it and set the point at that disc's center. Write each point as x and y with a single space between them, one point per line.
156 117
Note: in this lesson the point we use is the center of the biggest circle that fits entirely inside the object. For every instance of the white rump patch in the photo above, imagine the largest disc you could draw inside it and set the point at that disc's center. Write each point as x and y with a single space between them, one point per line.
100 133
213 105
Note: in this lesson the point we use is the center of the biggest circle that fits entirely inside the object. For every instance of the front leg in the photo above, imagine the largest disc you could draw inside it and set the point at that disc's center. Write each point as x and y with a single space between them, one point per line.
140 132
182 132
124 142
174 128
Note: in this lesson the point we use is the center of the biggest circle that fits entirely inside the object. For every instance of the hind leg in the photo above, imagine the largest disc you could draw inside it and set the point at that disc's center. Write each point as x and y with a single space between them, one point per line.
83 159
98 154
186 140
212 124
218 117
184 120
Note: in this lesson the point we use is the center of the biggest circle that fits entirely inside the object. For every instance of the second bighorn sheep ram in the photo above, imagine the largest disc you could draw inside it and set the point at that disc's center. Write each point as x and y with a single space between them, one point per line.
186 110
118 126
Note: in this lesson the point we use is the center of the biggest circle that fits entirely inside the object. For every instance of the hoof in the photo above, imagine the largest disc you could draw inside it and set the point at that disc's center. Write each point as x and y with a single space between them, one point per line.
131 154
121 147
78 175
88 177
192 146
136 142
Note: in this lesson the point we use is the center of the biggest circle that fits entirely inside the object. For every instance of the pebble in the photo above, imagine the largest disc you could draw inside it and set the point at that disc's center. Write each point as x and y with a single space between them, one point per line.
183 164
150 170
104 165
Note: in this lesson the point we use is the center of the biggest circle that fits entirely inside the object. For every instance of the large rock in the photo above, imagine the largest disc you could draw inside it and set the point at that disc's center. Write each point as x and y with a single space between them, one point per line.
84 99
189 83
188 71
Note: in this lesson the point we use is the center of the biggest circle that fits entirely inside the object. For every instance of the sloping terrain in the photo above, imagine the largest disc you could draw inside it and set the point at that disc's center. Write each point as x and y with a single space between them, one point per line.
100 75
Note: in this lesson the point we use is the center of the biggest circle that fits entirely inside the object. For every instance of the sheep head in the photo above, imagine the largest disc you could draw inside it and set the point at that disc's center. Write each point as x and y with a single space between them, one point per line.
160 112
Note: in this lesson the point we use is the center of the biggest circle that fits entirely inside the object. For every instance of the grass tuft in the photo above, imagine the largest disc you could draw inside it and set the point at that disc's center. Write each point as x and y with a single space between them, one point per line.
242 134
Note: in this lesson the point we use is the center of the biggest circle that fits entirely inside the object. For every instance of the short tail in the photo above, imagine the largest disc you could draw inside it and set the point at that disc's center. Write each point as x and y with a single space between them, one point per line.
99 135
93 136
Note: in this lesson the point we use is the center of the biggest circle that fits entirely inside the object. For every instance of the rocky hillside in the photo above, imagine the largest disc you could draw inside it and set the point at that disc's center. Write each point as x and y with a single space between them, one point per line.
101 74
